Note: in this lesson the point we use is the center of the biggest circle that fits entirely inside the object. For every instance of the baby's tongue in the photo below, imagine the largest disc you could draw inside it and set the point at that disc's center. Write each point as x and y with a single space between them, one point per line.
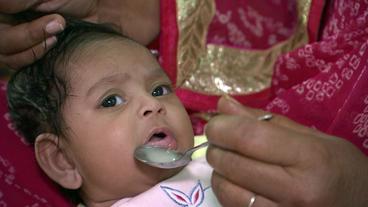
163 141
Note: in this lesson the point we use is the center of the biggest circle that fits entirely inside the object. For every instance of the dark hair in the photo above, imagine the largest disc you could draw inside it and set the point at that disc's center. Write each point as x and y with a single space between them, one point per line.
36 93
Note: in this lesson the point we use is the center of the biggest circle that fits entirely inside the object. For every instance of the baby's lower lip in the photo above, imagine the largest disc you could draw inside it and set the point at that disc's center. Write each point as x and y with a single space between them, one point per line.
167 142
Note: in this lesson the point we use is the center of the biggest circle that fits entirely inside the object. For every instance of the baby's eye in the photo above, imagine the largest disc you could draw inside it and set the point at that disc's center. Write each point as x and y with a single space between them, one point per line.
111 101
161 90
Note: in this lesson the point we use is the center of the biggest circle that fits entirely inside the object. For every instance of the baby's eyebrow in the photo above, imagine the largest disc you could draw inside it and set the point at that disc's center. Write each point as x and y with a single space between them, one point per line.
110 79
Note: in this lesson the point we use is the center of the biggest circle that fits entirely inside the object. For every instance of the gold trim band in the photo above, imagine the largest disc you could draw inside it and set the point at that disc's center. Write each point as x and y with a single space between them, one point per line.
214 70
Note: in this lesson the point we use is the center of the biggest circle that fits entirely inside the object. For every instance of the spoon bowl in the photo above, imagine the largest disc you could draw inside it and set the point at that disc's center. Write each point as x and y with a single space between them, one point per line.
165 158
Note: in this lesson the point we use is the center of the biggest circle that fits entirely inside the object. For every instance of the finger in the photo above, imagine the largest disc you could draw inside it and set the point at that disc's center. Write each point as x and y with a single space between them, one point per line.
228 105
270 181
230 194
50 6
264 141
27 57
15 6
21 37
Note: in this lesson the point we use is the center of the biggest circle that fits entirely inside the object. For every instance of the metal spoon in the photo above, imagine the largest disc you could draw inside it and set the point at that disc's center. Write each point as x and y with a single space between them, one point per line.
165 158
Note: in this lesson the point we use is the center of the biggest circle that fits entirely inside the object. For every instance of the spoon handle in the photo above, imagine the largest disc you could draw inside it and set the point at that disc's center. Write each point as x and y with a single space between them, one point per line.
190 151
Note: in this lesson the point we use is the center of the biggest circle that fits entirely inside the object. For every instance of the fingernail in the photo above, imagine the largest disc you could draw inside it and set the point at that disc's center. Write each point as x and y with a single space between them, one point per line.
54 27
50 41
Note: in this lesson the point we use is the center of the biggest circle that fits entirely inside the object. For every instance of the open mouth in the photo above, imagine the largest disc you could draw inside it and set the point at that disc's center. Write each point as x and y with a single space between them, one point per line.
162 138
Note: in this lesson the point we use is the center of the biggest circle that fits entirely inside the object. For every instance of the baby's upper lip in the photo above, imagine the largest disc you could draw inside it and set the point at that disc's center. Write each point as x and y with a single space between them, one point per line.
168 141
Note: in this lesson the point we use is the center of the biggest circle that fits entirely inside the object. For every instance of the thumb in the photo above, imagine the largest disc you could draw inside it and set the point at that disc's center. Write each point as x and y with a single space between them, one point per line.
228 105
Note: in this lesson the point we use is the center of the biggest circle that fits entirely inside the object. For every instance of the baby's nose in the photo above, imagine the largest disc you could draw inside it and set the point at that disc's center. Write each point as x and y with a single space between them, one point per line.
151 106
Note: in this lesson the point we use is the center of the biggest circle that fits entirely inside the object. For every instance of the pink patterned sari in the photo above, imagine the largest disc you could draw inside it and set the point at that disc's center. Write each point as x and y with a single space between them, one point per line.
324 84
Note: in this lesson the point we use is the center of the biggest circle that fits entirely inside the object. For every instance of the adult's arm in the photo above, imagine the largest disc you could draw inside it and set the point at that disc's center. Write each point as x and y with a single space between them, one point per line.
281 162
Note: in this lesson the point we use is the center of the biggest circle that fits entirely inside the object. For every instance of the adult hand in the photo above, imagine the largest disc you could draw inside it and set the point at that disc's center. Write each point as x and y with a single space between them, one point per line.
281 162
22 43
138 19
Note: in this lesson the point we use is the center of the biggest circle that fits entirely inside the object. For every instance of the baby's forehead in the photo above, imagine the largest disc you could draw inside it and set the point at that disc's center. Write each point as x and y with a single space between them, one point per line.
96 49
116 52
110 43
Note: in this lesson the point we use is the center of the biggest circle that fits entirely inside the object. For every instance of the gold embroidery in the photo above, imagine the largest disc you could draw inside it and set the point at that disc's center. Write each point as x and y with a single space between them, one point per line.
194 17
214 69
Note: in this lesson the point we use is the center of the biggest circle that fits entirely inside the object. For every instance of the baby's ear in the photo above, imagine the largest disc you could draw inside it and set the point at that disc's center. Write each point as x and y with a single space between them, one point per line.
55 162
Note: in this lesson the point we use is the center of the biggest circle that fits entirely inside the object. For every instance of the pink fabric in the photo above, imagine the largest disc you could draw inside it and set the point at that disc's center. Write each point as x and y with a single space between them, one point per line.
191 187
250 24
21 181
324 84
314 19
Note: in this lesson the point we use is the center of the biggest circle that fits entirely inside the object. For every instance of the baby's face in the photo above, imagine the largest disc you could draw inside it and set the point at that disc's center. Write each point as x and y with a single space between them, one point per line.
120 99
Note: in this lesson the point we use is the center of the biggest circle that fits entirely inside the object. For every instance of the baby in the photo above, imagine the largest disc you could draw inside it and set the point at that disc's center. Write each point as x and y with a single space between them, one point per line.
88 104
